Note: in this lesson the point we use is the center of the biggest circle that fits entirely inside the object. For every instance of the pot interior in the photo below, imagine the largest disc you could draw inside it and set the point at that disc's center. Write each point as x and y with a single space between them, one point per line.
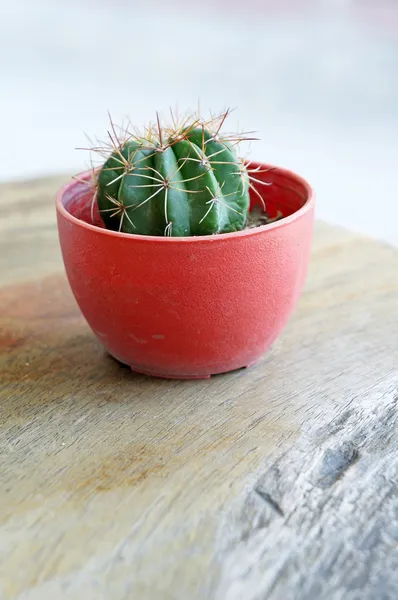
286 194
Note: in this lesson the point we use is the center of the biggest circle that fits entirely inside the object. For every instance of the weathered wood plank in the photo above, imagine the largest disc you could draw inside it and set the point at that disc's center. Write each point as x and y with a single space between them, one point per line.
277 482
322 521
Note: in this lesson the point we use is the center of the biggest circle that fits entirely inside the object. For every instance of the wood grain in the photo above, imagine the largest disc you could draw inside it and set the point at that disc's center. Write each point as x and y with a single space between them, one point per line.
275 483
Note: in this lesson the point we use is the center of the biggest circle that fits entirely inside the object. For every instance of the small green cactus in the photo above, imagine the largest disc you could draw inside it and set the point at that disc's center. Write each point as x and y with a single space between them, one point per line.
175 181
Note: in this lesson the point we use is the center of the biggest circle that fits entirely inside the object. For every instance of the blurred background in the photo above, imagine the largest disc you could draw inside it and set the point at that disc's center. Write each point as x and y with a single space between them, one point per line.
317 79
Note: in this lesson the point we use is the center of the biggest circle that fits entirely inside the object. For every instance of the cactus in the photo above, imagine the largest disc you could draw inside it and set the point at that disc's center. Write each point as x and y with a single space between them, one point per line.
175 181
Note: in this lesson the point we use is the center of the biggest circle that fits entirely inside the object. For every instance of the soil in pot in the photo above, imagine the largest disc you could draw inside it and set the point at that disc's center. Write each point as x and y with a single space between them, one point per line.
258 217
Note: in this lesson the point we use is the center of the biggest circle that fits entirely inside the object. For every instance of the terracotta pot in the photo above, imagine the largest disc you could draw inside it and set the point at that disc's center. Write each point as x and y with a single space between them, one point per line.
189 307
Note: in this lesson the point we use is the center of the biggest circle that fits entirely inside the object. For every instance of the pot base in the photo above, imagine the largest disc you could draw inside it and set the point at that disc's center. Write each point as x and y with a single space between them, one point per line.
174 376
163 376
185 377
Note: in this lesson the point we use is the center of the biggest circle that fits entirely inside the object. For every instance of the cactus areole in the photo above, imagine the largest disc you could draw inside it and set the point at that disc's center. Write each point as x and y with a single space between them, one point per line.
177 181
185 260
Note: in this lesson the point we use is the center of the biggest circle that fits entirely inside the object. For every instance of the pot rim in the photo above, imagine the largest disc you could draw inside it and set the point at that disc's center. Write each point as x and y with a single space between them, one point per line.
287 173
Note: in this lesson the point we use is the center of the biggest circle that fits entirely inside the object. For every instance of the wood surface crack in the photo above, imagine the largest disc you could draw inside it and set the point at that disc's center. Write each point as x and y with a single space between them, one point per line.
334 463
269 500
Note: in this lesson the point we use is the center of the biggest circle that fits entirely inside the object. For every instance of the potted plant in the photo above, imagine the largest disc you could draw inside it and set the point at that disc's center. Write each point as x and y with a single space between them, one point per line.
185 260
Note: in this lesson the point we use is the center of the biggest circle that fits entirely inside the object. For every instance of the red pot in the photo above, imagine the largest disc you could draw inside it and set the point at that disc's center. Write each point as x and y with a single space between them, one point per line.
189 307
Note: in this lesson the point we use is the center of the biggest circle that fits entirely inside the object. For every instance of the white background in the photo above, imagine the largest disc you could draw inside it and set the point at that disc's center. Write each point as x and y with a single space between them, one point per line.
318 80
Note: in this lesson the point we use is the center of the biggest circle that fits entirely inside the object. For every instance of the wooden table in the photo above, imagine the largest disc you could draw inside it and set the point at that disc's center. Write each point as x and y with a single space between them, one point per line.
275 483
